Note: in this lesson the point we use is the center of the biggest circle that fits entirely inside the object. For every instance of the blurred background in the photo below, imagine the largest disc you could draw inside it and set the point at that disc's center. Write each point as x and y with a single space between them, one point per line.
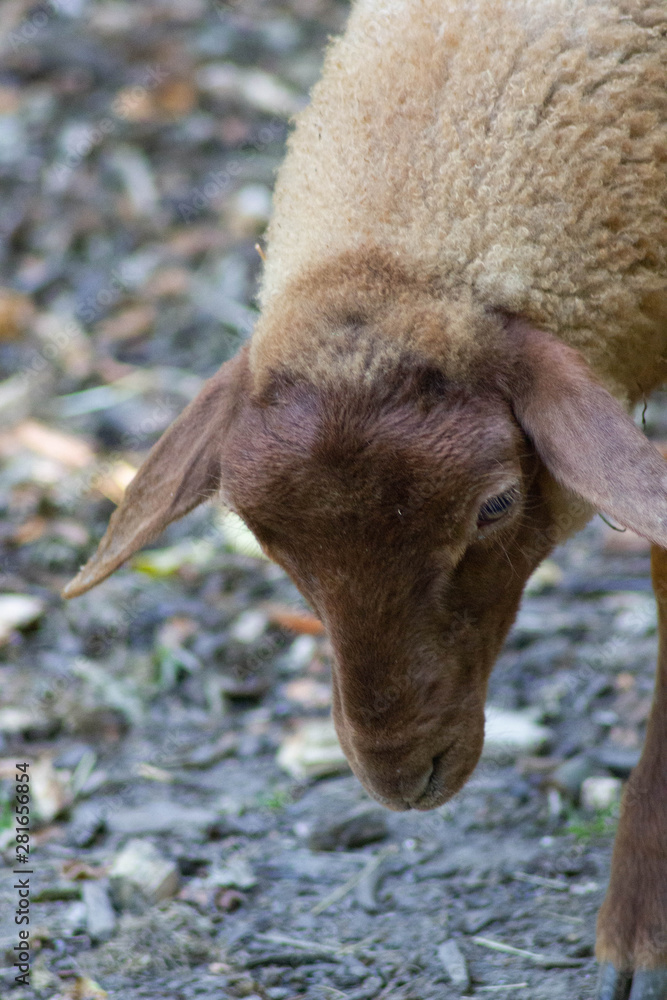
195 829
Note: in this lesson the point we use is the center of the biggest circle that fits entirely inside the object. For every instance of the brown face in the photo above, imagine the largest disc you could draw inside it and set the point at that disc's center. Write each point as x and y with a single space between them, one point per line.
411 524
410 513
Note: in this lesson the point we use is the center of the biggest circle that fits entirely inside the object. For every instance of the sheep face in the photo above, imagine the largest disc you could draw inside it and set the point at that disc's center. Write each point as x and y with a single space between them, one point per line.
410 504
410 518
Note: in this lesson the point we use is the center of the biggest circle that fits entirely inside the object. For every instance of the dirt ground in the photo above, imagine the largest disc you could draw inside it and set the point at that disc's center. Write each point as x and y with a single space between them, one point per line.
173 852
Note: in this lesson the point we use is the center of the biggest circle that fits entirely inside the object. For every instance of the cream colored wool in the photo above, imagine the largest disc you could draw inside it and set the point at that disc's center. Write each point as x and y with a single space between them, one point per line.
514 149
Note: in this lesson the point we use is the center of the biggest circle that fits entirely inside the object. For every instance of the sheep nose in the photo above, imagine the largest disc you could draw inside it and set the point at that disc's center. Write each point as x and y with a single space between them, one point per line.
399 787
413 786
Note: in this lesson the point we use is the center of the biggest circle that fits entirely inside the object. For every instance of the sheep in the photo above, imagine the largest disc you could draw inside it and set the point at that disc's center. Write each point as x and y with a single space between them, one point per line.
465 292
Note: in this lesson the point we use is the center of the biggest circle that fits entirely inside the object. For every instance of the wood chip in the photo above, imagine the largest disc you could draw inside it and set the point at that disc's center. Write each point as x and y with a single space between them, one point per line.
453 961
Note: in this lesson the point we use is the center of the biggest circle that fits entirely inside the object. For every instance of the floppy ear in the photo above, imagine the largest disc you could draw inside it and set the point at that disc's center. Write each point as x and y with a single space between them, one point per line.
584 436
181 471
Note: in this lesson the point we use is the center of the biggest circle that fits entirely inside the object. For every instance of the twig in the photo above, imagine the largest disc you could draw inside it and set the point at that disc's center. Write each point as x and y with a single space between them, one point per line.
333 949
564 916
291 958
544 961
343 890
508 986
297 943
548 883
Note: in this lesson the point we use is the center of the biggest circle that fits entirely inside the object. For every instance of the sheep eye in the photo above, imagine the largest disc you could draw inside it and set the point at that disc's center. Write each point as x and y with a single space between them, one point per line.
496 507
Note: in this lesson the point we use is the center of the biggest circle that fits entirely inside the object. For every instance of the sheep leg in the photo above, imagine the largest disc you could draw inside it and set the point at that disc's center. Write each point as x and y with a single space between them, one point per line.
632 923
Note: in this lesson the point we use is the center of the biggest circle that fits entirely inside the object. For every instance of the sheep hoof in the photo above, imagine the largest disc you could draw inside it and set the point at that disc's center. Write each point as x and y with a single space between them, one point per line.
645 984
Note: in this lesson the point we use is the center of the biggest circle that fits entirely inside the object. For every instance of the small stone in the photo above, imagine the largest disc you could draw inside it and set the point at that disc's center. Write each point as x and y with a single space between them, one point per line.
15 719
244 687
362 825
236 874
300 654
18 395
475 920
249 627
100 915
570 775
313 751
620 761
162 816
509 734
228 900
454 963
605 717
370 989
250 210
600 793
86 823
18 611
73 921
140 876
252 87
547 576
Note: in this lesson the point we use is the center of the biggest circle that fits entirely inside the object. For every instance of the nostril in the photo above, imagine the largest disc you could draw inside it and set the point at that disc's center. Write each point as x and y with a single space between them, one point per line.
421 787
429 780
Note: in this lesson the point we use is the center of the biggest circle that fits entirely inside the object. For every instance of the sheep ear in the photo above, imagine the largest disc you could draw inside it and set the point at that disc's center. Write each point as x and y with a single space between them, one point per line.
584 436
181 471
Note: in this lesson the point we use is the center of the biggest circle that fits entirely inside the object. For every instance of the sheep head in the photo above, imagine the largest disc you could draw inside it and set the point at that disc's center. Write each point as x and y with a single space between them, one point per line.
410 509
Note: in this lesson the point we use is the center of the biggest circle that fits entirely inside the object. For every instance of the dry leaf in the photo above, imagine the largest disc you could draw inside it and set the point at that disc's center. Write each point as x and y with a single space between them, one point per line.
50 790
83 988
29 531
176 98
128 324
308 692
76 870
169 281
70 451
114 480
301 622
16 311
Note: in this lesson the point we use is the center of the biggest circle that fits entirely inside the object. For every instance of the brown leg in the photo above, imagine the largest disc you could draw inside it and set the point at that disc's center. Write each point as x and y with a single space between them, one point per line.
632 923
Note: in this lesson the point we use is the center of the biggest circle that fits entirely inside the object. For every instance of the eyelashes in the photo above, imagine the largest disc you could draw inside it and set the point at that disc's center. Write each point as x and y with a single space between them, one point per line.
496 507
